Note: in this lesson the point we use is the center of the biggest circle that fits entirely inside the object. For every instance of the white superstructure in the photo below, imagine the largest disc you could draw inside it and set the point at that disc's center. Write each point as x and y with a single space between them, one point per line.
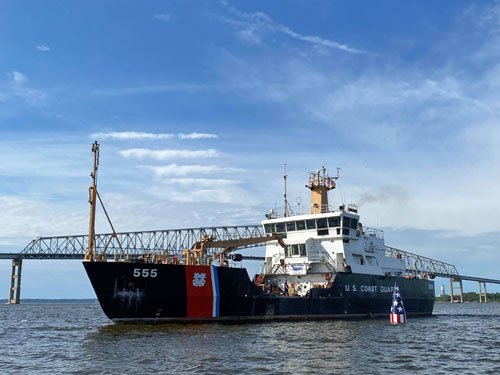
318 245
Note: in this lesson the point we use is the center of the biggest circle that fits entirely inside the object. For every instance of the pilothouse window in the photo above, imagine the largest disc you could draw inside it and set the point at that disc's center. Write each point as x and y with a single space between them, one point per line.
270 228
290 226
349 222
301 225
321 223
280 228
346 222
311 224
354 224
334 222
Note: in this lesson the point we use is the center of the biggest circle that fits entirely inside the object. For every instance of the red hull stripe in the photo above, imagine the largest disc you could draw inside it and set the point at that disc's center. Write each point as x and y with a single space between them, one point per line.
200 296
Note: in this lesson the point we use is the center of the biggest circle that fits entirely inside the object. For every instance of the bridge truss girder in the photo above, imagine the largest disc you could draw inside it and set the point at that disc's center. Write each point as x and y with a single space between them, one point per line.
135 243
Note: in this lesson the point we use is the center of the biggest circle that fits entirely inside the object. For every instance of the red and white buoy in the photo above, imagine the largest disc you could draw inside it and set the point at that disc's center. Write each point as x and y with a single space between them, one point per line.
398 313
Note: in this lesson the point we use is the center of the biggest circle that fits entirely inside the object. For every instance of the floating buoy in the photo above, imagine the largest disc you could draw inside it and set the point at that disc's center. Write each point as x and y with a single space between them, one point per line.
398 313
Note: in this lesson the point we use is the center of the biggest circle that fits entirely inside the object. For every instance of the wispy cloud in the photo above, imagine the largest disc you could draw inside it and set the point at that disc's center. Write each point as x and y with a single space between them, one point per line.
205 190
16 88
151 136
165 17
141 153
184 170
252 27
43 48
17 77
131 135
197 135
35 217
390 106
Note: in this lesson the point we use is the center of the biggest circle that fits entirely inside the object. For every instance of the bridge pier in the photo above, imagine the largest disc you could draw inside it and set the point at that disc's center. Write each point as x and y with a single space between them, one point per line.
459 287
482 291
15 281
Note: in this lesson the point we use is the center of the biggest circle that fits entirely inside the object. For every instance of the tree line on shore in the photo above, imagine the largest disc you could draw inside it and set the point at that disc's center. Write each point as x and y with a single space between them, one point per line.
471 297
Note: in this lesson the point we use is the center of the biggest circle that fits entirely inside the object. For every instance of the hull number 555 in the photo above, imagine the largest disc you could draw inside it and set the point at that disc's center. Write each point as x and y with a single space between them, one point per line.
145 272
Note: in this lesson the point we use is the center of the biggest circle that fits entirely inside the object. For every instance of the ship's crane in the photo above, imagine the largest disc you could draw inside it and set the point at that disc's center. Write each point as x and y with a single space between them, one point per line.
198 253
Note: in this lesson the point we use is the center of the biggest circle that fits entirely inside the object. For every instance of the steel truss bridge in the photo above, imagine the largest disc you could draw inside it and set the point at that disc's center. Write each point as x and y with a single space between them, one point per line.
135 243
176 240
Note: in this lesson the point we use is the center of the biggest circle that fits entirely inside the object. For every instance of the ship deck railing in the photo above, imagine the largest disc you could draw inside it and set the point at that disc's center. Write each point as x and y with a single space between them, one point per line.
322 256
275 264
374 232
279 212
419 264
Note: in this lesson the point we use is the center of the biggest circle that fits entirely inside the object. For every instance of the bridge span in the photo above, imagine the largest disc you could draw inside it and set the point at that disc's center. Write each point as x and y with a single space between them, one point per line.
176 240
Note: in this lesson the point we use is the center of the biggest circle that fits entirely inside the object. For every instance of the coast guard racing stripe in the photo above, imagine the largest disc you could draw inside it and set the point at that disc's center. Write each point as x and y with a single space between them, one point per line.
202 292
215 291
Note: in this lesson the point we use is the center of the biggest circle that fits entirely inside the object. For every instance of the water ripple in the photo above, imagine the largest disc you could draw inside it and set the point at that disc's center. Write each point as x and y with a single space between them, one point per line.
79 339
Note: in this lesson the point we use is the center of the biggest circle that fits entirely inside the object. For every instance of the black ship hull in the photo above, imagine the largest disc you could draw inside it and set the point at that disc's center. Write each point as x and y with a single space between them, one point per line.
179 293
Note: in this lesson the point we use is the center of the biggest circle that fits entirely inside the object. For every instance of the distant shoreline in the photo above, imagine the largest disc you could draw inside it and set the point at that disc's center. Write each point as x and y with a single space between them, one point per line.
55 300
470 297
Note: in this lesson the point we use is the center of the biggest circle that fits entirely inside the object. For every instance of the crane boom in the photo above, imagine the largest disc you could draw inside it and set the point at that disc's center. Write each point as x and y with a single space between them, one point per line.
199 249
209 243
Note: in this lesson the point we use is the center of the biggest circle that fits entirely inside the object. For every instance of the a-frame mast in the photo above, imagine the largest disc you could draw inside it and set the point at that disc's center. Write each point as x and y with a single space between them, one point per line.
90 254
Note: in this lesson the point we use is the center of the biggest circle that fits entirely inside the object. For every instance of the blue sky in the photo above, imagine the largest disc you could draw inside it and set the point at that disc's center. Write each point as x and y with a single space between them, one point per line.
198 104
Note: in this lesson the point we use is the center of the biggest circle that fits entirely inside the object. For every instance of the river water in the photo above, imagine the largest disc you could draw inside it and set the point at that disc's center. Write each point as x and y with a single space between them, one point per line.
79 339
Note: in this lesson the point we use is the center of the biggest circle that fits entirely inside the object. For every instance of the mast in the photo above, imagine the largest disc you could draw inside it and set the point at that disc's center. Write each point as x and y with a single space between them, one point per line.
285 210
319 184
90 254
